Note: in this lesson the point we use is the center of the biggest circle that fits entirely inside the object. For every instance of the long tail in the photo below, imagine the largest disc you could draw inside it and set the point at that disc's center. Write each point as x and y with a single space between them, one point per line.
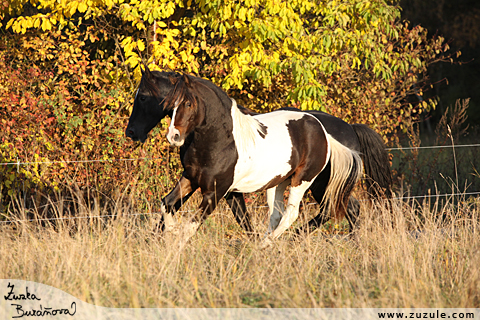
376 163
346 170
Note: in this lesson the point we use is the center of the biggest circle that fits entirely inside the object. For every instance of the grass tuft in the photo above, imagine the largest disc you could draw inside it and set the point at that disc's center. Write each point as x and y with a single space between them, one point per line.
423 256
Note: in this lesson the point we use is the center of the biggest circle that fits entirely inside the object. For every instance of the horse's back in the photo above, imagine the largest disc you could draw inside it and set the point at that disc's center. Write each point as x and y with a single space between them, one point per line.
336 127
292 139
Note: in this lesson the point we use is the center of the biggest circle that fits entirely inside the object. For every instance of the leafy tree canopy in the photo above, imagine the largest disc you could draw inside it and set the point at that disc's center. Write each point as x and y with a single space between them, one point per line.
352 58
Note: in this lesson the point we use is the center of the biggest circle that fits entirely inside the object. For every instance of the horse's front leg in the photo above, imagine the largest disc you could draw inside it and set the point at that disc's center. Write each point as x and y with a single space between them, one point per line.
208 205
237 204
174 200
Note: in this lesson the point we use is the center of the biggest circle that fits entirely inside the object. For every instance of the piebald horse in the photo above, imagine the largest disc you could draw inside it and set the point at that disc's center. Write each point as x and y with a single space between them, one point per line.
149 109
233 151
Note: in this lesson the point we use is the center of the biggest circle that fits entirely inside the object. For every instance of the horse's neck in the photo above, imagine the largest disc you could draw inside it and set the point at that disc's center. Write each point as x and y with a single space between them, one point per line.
218 123
215 128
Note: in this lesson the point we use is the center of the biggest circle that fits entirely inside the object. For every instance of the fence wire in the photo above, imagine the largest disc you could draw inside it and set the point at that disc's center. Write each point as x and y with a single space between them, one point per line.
434 147
19 163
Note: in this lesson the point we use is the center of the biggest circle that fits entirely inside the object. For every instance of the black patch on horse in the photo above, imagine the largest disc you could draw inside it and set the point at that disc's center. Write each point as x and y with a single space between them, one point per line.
263 130
304 142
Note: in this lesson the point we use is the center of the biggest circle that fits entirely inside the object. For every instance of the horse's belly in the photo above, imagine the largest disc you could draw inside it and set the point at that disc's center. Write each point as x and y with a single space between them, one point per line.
255 179
267 162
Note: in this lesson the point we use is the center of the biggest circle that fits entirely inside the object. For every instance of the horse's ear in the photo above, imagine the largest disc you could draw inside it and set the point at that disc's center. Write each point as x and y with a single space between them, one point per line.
186 79
146 71
173 78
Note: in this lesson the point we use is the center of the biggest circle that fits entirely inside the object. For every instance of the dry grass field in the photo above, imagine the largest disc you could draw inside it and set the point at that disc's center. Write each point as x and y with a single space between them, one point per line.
423 257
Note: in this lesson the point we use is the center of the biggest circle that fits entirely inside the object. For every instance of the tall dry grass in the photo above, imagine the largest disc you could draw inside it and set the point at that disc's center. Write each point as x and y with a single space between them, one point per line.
408 257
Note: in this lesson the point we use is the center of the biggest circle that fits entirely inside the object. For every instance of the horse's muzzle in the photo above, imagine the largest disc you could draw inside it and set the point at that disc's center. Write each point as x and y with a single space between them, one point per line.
174 137
130 133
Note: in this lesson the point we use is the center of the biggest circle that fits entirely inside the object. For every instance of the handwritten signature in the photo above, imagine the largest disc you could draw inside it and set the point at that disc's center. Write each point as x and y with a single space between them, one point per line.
38 312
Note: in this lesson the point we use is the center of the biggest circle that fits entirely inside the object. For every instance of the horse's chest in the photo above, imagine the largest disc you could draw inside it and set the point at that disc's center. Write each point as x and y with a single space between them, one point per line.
203 163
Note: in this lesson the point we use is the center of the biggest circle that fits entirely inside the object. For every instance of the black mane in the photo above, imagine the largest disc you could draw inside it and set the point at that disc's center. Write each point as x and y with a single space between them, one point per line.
148 81
184 90
191 88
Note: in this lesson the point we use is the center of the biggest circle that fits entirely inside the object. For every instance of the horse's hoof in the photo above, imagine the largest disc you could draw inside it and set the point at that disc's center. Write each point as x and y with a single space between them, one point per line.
267 242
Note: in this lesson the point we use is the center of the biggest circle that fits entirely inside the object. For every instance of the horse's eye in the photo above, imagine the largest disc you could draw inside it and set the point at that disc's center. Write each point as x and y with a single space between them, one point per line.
187 104
143 98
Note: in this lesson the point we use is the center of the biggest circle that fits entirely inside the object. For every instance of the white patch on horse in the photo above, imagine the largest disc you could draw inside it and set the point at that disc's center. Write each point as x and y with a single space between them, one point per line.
246 126
172 131
261 159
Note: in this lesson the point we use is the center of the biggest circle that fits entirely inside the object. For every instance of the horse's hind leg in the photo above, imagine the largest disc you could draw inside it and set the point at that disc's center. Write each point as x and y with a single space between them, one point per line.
318 188
321 218
291 213
353 211
347 206
275 204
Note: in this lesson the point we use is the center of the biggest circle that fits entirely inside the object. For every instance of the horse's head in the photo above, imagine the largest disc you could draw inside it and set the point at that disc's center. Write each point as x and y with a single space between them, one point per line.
148 108
185 104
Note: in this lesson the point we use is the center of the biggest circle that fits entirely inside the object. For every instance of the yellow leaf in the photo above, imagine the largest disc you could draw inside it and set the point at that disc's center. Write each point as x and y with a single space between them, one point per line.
140 45
126 41
73 8
29 23
82 7
9 23
46 25
184 56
